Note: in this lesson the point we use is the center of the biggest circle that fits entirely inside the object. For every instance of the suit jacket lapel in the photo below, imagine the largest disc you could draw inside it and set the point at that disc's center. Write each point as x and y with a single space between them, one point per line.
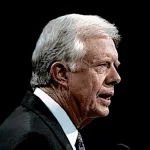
35 104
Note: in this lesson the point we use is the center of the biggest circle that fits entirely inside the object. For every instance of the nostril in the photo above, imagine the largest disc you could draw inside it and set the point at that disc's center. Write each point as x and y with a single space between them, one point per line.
118 80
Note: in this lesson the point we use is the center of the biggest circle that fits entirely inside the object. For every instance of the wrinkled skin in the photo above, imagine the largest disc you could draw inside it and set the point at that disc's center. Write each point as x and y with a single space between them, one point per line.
88 90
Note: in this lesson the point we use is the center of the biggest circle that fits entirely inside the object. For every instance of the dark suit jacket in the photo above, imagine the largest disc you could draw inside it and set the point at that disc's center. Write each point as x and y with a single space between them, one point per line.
32 127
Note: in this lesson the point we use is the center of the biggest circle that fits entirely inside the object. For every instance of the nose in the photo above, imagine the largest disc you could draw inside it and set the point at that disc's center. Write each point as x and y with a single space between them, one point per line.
113 77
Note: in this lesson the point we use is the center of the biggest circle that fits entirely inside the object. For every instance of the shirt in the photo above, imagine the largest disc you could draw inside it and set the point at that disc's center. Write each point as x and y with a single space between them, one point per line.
61 116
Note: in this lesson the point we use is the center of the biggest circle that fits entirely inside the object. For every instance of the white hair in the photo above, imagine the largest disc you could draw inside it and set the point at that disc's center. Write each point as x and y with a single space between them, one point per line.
62 40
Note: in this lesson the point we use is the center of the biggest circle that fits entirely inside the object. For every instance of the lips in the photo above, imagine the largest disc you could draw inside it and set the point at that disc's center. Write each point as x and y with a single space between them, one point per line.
105 98
105 95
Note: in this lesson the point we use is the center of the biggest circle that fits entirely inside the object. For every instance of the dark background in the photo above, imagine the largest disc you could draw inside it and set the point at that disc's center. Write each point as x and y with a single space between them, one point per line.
127 122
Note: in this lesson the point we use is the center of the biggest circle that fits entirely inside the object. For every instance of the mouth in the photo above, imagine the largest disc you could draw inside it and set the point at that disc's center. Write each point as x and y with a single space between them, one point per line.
105 98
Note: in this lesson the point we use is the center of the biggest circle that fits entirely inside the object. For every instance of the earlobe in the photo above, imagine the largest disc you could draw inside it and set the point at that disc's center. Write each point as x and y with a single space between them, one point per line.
58 72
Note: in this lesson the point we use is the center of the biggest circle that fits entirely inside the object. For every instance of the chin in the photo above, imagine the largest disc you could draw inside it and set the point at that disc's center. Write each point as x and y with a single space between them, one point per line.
103 113
99 113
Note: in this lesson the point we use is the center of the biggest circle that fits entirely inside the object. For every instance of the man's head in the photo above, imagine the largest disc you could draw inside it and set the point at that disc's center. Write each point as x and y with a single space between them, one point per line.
76 59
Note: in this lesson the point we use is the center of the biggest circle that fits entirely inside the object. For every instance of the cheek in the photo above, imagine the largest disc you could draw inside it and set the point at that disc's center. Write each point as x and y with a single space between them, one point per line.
98 80
81 86
84 87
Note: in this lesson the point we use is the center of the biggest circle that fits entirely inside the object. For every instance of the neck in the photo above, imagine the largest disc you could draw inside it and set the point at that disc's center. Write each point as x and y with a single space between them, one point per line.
63 98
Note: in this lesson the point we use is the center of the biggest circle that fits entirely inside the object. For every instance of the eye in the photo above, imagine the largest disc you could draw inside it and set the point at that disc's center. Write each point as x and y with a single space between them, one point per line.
107 64
116 67
104 65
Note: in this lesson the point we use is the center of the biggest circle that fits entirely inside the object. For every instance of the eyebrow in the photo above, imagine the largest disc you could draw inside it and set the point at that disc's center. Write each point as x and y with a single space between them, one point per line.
117 63
97 63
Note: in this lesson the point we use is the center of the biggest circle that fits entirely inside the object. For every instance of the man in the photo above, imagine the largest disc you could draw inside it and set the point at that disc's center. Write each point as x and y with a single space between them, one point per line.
74 72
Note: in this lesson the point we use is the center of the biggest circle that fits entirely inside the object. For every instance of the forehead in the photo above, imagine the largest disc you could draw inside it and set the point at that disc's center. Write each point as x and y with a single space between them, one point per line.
99 49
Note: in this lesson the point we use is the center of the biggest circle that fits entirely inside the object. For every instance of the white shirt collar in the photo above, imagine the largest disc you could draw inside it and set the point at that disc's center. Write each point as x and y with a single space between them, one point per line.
61 116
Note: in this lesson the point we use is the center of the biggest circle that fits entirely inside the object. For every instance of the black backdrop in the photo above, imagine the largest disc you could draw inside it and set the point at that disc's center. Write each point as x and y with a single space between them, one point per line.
22 24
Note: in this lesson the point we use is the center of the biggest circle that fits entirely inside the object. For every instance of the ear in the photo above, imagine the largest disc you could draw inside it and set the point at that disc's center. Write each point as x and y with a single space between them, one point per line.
58 71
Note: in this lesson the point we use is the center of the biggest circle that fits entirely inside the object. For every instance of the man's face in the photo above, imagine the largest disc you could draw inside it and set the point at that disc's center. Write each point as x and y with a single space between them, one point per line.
92 85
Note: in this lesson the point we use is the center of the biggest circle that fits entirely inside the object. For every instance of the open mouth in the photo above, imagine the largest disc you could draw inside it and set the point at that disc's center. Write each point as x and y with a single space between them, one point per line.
105 96
105 99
